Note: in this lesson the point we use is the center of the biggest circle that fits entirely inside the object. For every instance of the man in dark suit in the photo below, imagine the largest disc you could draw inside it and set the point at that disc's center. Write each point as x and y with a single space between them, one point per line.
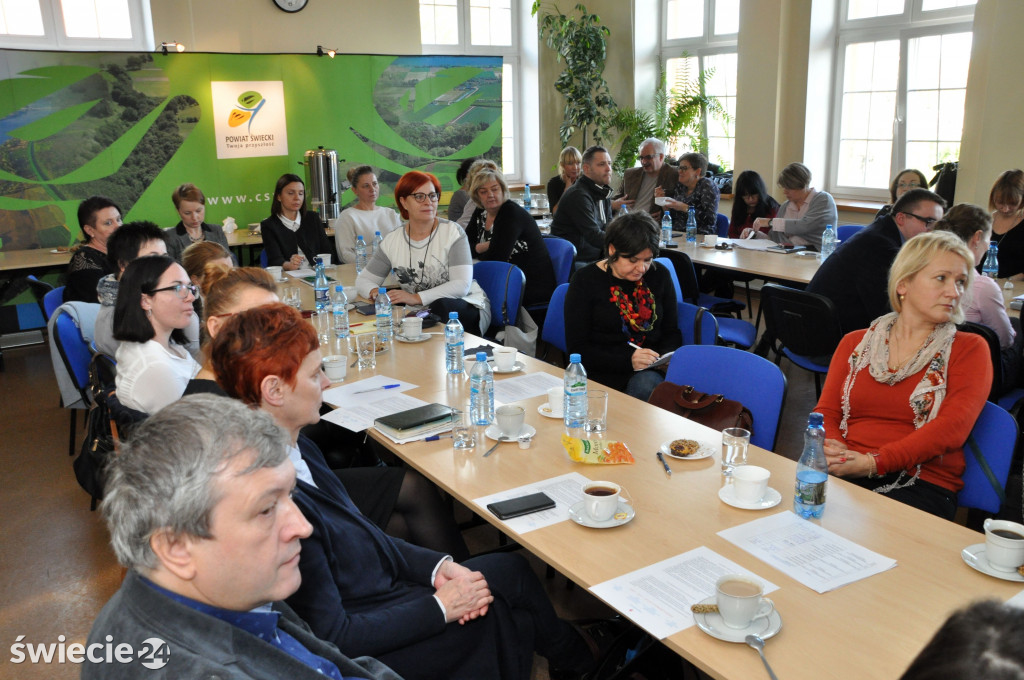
638 184
856 276
585 207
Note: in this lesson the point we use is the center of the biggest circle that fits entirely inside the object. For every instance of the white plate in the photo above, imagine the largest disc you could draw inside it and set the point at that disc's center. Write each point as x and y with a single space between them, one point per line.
771 498
703 451
974 556
494 433
59 252
624 513
423 337
546 411
516 367
712 624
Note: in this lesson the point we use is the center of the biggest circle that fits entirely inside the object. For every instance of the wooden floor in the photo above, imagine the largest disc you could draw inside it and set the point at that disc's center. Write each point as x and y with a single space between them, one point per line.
56 568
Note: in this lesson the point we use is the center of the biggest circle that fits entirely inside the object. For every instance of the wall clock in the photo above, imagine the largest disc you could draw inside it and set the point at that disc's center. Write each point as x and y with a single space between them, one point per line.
290 6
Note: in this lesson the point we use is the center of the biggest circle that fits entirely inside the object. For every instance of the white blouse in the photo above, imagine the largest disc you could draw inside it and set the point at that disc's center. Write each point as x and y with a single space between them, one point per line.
150 377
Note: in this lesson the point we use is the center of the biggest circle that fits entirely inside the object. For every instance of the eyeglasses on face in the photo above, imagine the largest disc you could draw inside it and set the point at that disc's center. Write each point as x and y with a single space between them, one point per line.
928 221
423 198
182 290
684 168
649 156
909 185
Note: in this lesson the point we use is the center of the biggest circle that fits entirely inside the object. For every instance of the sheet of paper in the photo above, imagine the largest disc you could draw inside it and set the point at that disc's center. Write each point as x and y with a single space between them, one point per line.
301 273
524 387
1017 600
753 243
564 490
357 412
658 597
803 550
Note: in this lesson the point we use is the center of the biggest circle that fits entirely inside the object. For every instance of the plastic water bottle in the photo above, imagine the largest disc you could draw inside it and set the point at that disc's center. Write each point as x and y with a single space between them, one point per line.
339 312
377 238
828 242
812 471
575 383
454 360
991 266
666 230
320 291
481 391
691 226
383 307
624 210
527 199
360 254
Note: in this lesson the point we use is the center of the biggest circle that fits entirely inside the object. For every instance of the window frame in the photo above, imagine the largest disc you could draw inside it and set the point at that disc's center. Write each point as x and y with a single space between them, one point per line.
911 24
55 34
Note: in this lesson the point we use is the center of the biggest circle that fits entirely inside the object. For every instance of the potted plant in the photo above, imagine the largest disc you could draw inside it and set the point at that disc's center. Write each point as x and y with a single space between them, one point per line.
581 43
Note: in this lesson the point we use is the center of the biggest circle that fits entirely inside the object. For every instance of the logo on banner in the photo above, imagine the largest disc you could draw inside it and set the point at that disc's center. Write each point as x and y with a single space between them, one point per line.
249 119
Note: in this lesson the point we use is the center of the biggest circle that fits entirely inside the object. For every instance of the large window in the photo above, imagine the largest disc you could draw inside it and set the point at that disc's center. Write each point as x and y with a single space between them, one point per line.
487 27
76 24
700 36
900 91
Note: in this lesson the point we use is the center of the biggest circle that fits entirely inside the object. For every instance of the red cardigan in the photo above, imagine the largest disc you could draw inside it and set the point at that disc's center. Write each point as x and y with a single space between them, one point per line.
881 420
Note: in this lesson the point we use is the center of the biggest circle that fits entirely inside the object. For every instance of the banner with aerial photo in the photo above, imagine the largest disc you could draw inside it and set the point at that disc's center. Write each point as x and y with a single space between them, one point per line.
135 126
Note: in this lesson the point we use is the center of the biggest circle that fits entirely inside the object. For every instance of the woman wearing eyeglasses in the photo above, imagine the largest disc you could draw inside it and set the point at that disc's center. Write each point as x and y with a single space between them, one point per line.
291 233
903 182
430 258
154 305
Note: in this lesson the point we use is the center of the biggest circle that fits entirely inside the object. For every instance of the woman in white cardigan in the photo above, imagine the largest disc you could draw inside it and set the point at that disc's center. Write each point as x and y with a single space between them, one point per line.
365 218
430 258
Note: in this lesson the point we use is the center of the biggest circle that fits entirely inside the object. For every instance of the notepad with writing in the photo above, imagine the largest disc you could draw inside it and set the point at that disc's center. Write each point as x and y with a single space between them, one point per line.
415 421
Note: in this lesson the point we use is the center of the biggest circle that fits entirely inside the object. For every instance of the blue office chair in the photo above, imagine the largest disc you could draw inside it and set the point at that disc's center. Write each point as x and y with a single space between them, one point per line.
686 275
263 258
995 433
696 324
503 283
562 254
553 332
670 268
53 300
722 225
742 376
731 330
74 352
845 231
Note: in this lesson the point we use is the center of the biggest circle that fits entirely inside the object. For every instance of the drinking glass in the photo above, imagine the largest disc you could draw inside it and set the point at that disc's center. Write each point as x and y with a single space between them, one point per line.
292 297
322 324
366 346
597 412
463 431
735 441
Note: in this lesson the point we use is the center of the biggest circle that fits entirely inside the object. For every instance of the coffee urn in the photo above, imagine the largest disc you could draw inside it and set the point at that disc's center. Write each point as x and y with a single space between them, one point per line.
322 182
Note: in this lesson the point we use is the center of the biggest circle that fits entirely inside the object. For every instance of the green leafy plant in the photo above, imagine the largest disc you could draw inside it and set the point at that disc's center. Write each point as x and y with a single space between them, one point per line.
677 115
581 43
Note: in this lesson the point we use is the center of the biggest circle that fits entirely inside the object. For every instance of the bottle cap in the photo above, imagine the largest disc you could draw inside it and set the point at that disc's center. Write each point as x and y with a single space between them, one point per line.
453 315
359 237
339 289
376 233
574 358
382 291
815 419
481 356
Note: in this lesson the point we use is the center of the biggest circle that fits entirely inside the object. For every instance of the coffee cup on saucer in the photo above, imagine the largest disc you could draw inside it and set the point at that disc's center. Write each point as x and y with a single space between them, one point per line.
276 272
1004 544
556 401
750 483
740 600
601 500
510 420
505 358
412 327
335 367
325 258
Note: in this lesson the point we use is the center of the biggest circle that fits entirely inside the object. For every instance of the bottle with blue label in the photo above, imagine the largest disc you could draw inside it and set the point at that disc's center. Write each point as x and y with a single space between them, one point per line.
527 198
360 254
377 238
481 391
383 307
666 229
575 385
829 241
812 471
991 266
320 292
339 312
691 226
454 343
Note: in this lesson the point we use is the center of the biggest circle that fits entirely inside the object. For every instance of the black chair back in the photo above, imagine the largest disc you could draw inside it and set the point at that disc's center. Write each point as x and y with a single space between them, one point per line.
804 323
995 352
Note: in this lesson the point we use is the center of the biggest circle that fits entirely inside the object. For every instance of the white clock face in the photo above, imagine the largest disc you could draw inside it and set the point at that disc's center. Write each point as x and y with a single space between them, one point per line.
290 5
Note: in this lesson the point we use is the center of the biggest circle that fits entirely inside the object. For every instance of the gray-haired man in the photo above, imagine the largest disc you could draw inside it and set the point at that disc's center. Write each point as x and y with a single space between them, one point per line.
639 184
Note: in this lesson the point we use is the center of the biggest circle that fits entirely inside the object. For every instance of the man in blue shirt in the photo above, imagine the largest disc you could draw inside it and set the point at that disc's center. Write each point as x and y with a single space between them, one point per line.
200 512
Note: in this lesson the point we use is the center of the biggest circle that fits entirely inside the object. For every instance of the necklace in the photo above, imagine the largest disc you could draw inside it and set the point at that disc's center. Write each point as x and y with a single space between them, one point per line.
894 344
426 250
637 309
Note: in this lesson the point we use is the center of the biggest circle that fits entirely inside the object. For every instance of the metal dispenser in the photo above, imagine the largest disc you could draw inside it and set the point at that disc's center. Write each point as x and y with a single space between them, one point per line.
322 182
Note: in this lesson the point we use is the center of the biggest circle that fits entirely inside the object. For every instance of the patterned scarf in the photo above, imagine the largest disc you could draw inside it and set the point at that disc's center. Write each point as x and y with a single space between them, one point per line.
637 309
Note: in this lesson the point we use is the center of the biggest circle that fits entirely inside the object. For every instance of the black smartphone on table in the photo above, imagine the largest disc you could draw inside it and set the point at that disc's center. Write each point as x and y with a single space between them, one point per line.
524 505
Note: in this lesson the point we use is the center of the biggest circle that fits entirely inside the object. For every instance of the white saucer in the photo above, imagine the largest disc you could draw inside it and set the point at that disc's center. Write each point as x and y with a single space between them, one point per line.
422 337
712 624
516 367
703 451
771 498
974 556
494 433
546 411
624 513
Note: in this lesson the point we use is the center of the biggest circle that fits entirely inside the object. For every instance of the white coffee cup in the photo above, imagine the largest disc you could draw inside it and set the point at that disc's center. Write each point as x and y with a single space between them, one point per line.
1002 550
601 500
740 600
710 240
504 358
510 419
325 258
412 327
336 366
276 272
556 400
750 483
661 200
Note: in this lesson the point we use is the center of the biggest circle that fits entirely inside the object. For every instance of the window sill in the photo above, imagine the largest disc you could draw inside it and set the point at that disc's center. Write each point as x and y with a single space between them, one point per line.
853 205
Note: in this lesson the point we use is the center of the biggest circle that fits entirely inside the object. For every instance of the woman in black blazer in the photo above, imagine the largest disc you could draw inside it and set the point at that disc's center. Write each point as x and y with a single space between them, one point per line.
291 233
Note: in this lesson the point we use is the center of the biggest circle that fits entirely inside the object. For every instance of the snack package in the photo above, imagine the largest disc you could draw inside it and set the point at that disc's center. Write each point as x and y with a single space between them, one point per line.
597 452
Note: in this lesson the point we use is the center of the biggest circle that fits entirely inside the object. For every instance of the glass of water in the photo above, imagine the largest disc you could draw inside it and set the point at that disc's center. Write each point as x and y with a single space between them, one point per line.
366 346
292 297
597 412
735 441
463 431
322 324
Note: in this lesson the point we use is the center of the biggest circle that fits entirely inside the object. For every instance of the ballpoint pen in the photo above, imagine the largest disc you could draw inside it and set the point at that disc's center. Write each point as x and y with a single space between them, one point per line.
374 389
668 470
435 437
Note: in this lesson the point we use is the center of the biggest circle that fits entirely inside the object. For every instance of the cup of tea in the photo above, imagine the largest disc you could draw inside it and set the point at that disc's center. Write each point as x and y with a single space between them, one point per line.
412 327
510 420
505 358
710 240
556 401
750 483
325 258
336 366
1004 544
601 500
276 272
741 600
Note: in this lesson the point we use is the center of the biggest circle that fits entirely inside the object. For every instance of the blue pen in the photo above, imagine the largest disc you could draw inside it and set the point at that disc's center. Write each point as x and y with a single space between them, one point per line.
382 387
434 438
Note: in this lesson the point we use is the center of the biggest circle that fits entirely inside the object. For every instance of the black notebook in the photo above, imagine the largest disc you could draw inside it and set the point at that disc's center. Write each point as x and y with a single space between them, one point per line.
422 419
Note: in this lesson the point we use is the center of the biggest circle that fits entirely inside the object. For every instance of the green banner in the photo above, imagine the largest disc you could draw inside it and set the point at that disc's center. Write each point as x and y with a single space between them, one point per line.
135 126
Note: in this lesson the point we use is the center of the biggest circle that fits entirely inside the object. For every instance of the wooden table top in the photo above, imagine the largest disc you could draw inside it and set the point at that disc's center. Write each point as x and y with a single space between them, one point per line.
37 258
775 266
871 628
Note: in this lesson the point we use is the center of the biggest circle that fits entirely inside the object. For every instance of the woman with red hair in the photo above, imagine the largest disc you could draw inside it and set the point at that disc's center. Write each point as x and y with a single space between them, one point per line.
430 257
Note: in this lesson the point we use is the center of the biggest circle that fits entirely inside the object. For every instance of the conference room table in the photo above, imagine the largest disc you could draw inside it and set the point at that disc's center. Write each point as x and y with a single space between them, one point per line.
773 266
871 628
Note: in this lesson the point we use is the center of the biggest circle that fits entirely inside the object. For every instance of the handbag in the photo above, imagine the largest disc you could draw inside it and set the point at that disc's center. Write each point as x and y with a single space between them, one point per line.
523 335
712 410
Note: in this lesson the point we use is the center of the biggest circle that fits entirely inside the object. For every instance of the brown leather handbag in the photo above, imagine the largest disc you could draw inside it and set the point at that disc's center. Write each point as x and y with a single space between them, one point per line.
712 410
